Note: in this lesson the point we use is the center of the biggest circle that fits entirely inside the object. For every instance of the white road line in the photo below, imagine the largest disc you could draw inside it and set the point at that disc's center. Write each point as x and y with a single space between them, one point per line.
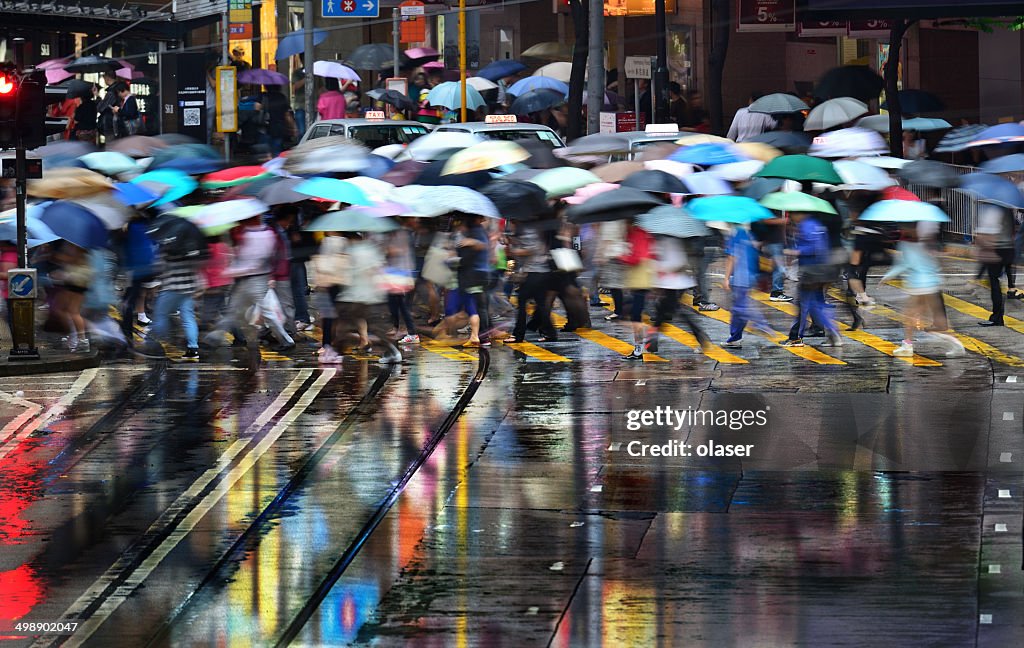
13 437
1011 379
614 447
1004 493
1007 416
1006 457
1000 527
185 500
985 619
995 569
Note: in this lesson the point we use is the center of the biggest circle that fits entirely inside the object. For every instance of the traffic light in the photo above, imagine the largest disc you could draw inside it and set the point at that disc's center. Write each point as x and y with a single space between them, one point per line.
8 107
33 100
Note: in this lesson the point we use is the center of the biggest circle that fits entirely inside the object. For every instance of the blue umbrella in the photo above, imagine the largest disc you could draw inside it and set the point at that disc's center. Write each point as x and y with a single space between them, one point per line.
706 184
500 69
522 86
535 101
192 166
728 209
75 224
904 211
1001 134
1006 164
9 232
378 165
449 95
169 184
133 194
334 190
38 231
706 154
959 138
295 43
992 188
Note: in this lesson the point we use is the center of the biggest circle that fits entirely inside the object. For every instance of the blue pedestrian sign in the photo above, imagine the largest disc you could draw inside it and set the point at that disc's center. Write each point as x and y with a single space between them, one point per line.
350 8
22 283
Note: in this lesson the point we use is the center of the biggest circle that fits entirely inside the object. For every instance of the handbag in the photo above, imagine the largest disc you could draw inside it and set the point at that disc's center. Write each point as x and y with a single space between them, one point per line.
435 266
567 259
639 276
330 270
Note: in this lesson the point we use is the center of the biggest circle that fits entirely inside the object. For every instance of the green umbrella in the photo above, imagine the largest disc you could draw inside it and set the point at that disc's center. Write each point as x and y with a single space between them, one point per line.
801 168
796 201
352 219
192 212
563 181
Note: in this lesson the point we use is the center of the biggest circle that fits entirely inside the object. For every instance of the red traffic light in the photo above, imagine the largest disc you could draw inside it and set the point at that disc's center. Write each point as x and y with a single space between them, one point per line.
6 85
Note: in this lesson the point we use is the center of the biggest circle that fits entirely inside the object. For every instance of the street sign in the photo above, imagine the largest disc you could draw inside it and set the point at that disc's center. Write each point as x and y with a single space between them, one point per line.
227 99
22 283
350 8
638 67
414 25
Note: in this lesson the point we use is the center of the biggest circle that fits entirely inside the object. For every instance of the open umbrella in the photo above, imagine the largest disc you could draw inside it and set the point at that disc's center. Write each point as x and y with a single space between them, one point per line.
233 176
535 101
353 219
178 237
617 204
332 154
422 54
91 63
282 192
57 75
737 171
788 141
707 154
706 184
228 212
9 233
694 139
796 201
834 112
295 43
79 89
107 208
917 101
992 188
583 194
899 193
678 169
801 168
398 100
376 190
857 81
959 138
129 74
486 155
858 176
481 84
373 56
137 146
334 70
848 142
35 228
1006 164
334 190
1000 134
758 188
501 69
669 220
449 95
433 65
759 151
259 76
75 224
560 70
727 209
191 158
617 171
597 144
440 145
563 181
880 123
441 200
109 163
433 175
884 161
777 104
518 200
903 211
133 195
549 51
69 182
654 182
168 184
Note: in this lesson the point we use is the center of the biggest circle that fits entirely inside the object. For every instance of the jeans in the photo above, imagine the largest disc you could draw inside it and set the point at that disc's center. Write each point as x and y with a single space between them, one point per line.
995 272
399 309
774 252
167 302
299 283
812 304
743 311
694 248
131 296
534 287
284 296
300 121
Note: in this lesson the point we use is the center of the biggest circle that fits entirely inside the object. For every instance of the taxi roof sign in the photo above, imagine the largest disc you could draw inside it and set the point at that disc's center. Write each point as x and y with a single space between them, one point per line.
661 129
375 114
501 119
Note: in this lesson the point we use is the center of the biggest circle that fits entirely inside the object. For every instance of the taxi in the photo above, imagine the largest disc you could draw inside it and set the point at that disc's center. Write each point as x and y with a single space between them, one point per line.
505 127
374 130
636 141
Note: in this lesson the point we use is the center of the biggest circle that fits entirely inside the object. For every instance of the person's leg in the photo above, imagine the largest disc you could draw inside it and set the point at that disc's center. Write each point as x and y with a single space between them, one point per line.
186 306
774 252
162 309
636 315
527 290
995 271
806 299
481 301
283 290
543 312
393 309
130 297
618 301
738 321
300 284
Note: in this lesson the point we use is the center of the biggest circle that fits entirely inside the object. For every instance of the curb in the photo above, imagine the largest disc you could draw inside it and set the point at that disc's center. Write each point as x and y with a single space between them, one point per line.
49 365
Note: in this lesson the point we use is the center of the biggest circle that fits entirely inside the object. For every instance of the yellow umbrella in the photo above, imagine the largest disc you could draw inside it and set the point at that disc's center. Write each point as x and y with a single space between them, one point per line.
69 182
485 155
702 138
549 51
617 171
759 151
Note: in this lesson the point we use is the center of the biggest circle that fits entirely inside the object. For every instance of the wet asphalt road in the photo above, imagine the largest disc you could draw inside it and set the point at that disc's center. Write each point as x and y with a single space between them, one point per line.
184 505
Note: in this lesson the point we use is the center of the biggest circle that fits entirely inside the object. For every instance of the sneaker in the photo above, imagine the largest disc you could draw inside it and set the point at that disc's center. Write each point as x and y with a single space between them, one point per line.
864 300
410 339
83 345
637 354
143 320
613 316
708 306
793 343
329 356
732 344
904 351
780 297
833 340
303 326
69 343
1015 293
191 355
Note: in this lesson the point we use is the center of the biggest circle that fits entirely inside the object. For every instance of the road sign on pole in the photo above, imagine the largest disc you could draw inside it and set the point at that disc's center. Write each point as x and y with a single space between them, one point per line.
638 67
350 8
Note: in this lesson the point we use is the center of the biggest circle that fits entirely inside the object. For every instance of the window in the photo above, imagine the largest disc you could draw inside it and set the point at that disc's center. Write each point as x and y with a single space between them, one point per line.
376 136
319 131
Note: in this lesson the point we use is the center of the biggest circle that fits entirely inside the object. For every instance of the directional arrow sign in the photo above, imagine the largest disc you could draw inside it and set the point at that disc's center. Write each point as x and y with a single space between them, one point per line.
350 8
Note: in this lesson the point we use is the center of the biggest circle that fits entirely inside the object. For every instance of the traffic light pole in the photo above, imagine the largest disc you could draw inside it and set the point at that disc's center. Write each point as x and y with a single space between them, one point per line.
22 302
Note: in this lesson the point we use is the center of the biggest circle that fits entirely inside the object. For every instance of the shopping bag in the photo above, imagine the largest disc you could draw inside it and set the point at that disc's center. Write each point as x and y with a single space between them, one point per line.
567 259
435 266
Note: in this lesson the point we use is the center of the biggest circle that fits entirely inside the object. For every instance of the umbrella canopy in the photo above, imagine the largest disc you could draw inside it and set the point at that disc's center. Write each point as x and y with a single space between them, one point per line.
1001 134
848 142
737 171
583 194
549 51
433 175
693 139
433 65
481 84
597 144
486 155
168 184
959 138
107 208
706 184
75 224
129 74
69 182
1006 164
441 145
438 201
422 54
295 43
857 81
133 195
801 168
233 176
777 104
178 237
707 154
758 188
518 200
84 64
759 151
229 212
282 192
654 182
374 56
903 211
535 101
188 158
353 219
398 100
449 95
678 169
880 123
834 112
376 190
137 146
334 190
522 86
501 69
39 233
992 188
617 204
884 161
109 163
668 220
79 89
560 70
899 193
858 176
796 201
617 171
727 209
563 181
56 75
333 154
334 70
788 141
917 101
259 76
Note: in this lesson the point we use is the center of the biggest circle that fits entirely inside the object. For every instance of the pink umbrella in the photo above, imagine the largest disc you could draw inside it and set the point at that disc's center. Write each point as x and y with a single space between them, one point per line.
584 194
53 63
126 64
433 65
56 75
129 74
422 53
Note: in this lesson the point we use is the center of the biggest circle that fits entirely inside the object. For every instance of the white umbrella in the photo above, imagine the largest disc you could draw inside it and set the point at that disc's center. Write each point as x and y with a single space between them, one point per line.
880 123
706 184
230 211
884 161
558 70
737 171
834 112
436 201
334 70
435 145
481 84
858 176
678 169
113 213
377 190
848 142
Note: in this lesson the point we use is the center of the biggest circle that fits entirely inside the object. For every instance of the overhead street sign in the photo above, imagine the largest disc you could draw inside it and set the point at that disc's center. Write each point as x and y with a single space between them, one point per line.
350 8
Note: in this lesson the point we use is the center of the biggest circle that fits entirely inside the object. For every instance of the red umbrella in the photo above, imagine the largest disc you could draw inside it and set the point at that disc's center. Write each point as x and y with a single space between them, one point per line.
233 176
899 193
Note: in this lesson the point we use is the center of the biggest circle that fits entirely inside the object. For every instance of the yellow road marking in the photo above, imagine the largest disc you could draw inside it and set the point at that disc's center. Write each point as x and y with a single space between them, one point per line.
806 352
446 351
967 308
537 352
607 341
865 338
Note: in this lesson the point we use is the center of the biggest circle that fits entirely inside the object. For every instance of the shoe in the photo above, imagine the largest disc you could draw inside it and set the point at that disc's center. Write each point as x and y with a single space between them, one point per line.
284 348
328 356
1015 293
793 343
864 300
547 338
613 316
513 340
708 307
904 351
780 297
472 344
143 320
83 346
637 354
833 340
410 339
732 344
991 323
191 355
815 331
303 326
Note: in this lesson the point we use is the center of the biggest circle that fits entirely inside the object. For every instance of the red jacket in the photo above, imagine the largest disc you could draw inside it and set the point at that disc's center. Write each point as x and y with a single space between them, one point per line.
641 247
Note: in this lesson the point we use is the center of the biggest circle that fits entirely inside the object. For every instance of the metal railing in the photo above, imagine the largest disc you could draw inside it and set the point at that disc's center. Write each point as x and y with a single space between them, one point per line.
961 207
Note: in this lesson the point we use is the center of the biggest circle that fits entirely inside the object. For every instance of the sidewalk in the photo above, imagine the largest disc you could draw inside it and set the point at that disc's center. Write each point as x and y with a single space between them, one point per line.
53 358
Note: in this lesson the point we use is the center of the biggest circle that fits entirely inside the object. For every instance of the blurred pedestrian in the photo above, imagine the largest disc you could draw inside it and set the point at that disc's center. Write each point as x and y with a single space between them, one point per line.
129 119
401 272
741 269
673 276
179 282
281 128
530 250
994 248
639 279
746 124
138 262
816 271
106 120
72 278
84 129
331 102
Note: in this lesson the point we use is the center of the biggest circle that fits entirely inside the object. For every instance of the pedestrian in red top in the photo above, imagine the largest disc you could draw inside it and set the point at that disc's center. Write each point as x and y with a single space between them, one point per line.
331 103
639 278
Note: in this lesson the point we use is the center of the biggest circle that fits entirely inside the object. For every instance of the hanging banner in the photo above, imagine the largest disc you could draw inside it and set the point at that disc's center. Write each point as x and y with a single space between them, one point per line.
413 27
226 92
821 28
766 15
870 28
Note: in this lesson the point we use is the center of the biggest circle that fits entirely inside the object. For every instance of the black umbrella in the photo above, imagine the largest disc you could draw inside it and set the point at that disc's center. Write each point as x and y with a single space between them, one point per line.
374 56
398 100
518 200
654 182
929 173
918 101
432 175
788 141
93 64
617 204
178 238
535 101
79 88
857 81
761 187
282 192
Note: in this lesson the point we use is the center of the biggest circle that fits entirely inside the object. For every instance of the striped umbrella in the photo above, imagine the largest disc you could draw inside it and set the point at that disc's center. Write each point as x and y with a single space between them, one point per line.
959 138
668 220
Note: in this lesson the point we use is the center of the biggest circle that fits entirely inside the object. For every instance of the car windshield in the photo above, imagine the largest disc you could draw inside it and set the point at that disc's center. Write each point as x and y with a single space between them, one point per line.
376 135
547 137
